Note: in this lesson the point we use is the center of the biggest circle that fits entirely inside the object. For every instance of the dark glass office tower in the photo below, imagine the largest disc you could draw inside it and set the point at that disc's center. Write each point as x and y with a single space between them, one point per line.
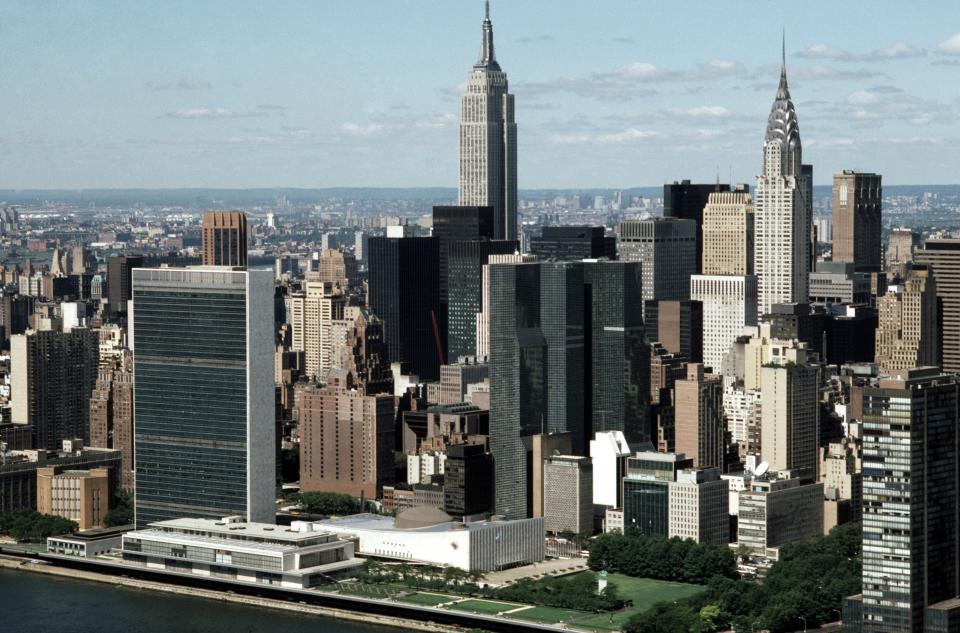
910 503
404 291
617 354
686 200
466 260
573 243
567 354
204 433
468 480
453 224
119 272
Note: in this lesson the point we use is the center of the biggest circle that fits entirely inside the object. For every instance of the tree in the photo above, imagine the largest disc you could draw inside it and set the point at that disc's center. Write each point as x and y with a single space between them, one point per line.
327 503
31 526
122 512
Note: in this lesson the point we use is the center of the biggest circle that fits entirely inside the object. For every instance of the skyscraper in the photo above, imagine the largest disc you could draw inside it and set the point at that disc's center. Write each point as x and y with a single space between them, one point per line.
907 332
488 140
567 354
699 418
910 542
571 243
119 273
789 415
728 234
667 250
224 239
204 442
347 438
943 258
312 315
465 291
52 375
404 291
857 202
782 250
687 200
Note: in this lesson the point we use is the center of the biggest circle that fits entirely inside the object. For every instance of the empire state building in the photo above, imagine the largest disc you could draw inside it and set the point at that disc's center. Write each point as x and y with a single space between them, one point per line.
488 140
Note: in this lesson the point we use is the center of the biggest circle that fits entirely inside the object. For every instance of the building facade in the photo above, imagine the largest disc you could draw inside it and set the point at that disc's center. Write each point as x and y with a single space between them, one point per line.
907 330
488 140
667 251
729 305
943 258
857 205
567 494
224 238
204 442
782 221
910 497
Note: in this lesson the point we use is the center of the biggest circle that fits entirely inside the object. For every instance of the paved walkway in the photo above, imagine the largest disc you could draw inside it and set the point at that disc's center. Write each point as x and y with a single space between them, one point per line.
552 567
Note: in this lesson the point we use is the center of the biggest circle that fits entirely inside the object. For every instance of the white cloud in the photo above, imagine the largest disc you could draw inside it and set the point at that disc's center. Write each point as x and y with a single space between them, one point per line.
353 129
863 98
897 50
709 111
950 46
203 113
184 83
626 136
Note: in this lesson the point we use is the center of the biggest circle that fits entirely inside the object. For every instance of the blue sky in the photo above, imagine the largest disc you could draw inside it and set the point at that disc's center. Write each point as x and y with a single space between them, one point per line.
610 93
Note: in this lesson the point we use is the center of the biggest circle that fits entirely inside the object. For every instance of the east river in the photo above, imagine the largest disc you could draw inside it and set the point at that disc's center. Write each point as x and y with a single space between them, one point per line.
43 603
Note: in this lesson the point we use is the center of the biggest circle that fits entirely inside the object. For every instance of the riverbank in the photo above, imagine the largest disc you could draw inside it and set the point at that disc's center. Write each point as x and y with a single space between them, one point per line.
26 565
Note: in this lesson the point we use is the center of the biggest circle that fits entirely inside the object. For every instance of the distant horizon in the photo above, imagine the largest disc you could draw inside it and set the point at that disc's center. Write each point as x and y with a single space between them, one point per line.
112 95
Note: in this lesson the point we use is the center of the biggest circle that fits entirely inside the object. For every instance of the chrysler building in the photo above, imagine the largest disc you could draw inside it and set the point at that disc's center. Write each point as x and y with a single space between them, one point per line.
783 209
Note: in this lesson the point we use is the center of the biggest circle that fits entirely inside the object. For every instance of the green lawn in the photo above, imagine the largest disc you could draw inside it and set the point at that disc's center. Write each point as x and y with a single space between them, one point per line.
602 622
488 607
644 592
426 599
547 615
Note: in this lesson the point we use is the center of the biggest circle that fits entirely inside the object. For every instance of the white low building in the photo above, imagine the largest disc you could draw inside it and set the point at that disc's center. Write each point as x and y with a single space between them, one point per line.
298 556
429 536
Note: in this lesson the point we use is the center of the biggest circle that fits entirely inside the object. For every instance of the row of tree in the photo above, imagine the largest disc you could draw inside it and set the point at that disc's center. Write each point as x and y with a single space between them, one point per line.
808 583
674 559
574 592
329 503
31 526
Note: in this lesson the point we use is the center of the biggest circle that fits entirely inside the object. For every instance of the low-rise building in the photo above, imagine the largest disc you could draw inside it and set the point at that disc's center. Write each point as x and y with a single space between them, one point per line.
82 496
698 507
429 536
774 512
18 471
89 543
302 555
567 494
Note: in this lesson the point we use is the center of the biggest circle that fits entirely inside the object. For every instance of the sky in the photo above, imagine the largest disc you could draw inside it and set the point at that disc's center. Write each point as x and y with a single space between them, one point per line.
609 93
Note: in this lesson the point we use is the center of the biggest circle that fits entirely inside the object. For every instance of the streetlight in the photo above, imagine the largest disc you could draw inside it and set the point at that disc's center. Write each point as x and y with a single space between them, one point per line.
804 622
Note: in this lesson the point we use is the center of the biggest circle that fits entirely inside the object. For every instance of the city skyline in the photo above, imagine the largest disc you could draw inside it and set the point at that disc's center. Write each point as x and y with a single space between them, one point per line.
190 98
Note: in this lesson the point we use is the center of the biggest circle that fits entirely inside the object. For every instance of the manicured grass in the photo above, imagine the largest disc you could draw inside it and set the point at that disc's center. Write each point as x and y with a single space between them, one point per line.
602 622
547 615
645 592
426 599
488 607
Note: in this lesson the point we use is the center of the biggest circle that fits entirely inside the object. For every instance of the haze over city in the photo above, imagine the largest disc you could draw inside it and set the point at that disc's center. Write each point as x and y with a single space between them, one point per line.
609 94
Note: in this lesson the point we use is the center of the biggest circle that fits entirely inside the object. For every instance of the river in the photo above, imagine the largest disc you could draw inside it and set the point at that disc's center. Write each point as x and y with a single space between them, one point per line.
44 603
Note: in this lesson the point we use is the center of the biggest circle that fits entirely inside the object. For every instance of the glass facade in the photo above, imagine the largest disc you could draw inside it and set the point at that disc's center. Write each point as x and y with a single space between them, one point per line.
909 502
191 398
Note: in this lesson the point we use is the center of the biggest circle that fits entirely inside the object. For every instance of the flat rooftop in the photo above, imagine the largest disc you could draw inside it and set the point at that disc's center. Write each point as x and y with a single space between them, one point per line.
237 530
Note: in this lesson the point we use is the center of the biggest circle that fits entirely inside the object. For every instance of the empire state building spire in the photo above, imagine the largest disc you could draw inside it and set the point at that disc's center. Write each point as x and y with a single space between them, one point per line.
488 60
488 140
